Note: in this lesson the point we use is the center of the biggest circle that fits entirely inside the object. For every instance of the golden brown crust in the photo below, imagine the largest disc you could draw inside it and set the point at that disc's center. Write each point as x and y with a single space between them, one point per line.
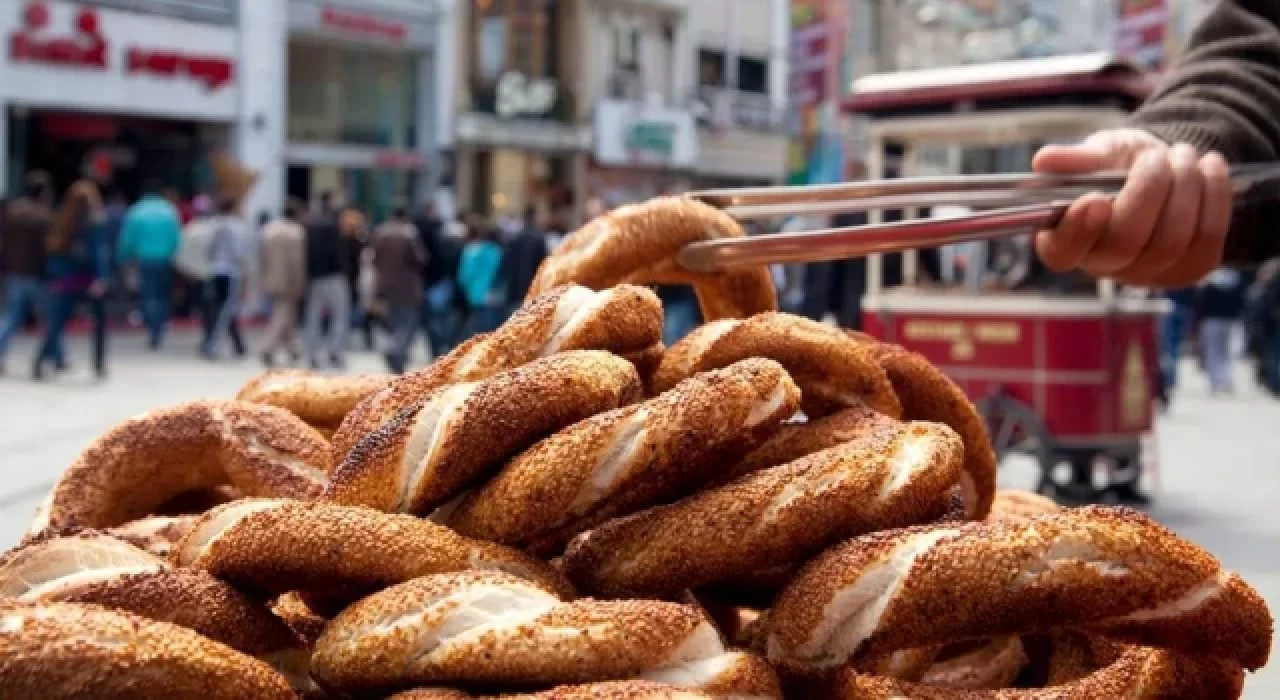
281 546
493 629
51 651
1011 504
134 468
623 320
615 690
321 400
928 394
306 623
796 440
992 666
1139 673
91 567
157 534
621 461
637 244
833 370
898 475
1112 571
427 454
647 362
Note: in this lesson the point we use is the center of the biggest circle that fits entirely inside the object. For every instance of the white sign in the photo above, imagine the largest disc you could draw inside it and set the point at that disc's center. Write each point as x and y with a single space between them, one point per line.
519 96
131 64
631 133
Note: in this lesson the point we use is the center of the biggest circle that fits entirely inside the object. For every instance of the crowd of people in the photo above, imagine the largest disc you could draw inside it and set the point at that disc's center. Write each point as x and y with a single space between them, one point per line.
317 272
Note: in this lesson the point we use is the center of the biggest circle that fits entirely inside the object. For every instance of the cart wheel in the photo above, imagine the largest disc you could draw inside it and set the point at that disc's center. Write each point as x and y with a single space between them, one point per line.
1015 429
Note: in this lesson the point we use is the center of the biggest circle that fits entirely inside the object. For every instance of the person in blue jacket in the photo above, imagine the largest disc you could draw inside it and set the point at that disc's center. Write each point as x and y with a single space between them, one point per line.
149 236
479 266
79 272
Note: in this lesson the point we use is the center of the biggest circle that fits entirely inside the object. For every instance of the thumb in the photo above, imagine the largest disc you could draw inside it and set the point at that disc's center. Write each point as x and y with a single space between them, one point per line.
1078 159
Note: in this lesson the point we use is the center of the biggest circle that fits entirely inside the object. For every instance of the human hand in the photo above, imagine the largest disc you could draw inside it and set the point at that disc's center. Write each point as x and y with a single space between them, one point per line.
1167 226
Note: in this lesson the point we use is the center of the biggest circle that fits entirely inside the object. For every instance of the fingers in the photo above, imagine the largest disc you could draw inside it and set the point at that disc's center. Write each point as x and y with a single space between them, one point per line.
1175 227
1134 215
1080 230
1076 159
1204 253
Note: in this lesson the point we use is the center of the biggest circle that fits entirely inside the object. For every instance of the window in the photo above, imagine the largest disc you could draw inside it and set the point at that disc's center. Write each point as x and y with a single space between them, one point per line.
514 35
753 74
626 48
711 71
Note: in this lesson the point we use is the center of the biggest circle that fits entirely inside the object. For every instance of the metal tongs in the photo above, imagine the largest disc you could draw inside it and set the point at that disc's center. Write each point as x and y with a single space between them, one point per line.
1008 205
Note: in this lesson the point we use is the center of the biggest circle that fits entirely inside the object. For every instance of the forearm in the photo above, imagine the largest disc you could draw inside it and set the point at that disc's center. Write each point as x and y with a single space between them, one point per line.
1224 96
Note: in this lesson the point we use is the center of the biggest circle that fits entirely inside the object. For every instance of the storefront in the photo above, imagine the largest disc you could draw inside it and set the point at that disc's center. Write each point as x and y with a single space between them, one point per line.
123 96
641 151
361 104
517 140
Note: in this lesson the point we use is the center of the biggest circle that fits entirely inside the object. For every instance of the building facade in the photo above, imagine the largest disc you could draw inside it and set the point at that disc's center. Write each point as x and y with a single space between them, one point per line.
123 91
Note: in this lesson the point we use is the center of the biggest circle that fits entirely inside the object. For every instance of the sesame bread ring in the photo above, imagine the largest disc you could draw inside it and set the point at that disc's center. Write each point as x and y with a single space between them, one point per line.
140 464
306 623
614 690
1012 504
91 567
61 651
833 370
1108 571
282 546
157 534
428 453
638 244
492 629
622 320
927 393
1137 672
796 440
618 462
891 478
991 666
319 399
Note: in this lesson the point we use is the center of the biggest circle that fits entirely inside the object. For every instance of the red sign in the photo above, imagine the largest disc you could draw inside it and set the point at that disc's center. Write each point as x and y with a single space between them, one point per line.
367 25
86 48
211 71
399 160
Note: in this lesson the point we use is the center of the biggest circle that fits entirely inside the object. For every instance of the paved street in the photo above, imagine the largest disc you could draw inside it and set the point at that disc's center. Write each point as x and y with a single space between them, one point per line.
1219 459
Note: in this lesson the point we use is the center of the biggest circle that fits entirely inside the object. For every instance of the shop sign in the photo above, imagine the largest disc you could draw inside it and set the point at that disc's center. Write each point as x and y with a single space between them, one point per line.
364 25
85 47
521 96
399 160
631 133
211 71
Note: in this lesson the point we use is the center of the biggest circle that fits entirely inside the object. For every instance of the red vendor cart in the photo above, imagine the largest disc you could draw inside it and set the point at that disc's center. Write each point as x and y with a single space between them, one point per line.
1067 380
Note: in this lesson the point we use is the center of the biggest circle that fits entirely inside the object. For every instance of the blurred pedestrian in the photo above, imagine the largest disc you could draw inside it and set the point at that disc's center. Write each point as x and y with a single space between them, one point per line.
79 273
399 259
229 261
1220 303
150 237
521 257
284 281
479 278
438 318
24 233
328 288
1175 327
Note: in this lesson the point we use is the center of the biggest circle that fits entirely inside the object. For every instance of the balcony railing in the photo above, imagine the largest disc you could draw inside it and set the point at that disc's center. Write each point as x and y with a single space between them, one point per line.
719 107
211 11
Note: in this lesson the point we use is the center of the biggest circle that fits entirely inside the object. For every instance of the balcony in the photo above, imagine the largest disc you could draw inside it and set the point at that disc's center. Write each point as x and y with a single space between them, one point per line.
722 108
210 11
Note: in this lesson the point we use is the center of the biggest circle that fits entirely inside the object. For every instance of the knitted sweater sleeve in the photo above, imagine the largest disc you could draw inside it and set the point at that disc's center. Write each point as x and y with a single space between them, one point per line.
1224 95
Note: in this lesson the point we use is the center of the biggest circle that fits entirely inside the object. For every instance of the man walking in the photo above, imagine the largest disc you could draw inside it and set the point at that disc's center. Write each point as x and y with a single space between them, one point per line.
328 292
399 259
284 281
439 318
523 253
23 233
150 237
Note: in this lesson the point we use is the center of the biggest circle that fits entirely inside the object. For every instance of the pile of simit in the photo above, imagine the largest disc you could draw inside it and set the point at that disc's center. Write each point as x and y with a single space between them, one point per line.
564 508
